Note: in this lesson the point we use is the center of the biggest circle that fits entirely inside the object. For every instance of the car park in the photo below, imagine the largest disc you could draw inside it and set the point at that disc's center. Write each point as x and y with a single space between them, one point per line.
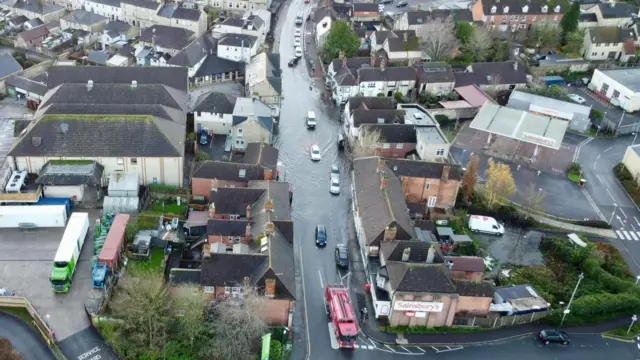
577 98
321 236
554 336
315 153
342 256
334 186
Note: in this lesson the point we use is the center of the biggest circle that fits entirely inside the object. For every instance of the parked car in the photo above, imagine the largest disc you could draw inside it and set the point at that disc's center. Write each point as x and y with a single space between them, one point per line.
342 256
554 336
402 4
315 153
321 236
577 98
335 171
334 187
297 33
296 42
298 51
294 61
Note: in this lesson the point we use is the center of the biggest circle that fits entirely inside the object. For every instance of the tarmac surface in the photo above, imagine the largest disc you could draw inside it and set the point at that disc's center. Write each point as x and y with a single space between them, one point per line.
25 340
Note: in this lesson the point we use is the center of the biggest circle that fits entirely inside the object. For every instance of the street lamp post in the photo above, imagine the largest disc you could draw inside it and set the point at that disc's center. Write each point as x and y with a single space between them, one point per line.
634 318
568 309
615 207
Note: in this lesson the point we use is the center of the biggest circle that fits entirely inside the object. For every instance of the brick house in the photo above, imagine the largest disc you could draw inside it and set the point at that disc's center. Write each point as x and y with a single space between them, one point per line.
398 140
434 184
466 267
365 12
513 15
228 232
234 202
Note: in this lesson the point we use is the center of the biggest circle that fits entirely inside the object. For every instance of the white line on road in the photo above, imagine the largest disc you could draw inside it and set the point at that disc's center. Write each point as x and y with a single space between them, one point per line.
599 178
633 227
636 219
623 214
626 235
450 349
598 158
321 283
390 348
405 349
434 348
594 165
620 220
421 349
633 235
607 149
620 234
612 198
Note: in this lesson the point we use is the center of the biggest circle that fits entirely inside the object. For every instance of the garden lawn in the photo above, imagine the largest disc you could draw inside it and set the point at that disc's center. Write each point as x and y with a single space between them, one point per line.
153 265
170 207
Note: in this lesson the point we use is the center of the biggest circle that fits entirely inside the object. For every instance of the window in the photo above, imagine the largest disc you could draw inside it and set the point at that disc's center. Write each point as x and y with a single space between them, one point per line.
380 121
230 238
493 9
555 18
399 146
386 146
237 239
371 85
239 131
616 94
594 54
134 161
440 152
534 18
432 201
428 186
242 173
607 44
391 83
324 24
120 161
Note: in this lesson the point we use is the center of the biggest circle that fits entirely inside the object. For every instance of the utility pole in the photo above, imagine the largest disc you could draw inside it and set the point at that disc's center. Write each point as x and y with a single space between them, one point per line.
568 309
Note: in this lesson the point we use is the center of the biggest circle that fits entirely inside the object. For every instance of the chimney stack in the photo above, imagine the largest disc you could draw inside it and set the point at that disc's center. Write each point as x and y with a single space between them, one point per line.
270 288
247 232
134 84
383 62
373 60
269 205
212 211
214 185
248 211
445 173
406 254
380 166
431 255
268 174
410 62
515 66
269 228
89 85
384 183
389 233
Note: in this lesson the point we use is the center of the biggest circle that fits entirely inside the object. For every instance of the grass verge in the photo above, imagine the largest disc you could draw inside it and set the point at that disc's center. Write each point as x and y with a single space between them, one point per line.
154 264
575 177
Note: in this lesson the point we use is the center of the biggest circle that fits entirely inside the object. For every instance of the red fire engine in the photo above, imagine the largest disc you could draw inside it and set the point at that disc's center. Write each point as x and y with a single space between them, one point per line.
341 314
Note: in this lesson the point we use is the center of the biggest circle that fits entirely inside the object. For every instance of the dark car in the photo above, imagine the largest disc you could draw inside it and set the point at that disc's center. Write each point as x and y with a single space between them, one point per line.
294 61
321 236
554 336
342 256
402 4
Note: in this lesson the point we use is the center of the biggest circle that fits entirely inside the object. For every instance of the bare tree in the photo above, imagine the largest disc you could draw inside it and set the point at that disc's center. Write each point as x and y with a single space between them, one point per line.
493 87
534 198
366 143
7 352
144 303
470 178
480 43
438 38
236 327
190 307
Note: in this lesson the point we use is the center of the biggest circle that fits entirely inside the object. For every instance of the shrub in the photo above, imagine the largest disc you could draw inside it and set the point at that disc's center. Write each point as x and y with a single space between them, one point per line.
192 136
622 173
466 250
380 95
202 156
593 223
275 351
575 168
161 188
597 115
398 97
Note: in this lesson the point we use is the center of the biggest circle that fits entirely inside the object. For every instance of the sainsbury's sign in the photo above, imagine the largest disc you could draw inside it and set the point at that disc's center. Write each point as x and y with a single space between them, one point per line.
537 139
418 306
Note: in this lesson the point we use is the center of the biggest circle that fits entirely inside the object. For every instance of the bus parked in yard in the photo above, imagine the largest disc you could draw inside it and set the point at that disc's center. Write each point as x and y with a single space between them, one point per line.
68 254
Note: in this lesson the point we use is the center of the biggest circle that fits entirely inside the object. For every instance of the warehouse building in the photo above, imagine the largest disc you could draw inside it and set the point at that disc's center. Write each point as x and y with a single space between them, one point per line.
620 87
577 115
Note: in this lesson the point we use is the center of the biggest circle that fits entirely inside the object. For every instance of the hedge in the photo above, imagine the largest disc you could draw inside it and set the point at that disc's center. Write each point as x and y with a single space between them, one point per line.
275 350
593 223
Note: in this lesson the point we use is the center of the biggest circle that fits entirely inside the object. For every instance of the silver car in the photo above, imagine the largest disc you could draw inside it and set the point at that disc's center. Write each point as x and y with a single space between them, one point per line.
334 188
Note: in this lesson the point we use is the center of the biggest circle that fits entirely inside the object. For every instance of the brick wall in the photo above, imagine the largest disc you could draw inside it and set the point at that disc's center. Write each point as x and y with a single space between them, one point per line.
415 190
202 187
394 153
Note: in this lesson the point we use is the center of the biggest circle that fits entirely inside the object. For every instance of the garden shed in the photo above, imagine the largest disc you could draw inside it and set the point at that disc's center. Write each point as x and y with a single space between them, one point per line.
79 180
123 184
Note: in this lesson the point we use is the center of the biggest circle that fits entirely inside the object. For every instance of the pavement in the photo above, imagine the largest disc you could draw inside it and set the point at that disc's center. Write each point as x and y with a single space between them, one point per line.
25 340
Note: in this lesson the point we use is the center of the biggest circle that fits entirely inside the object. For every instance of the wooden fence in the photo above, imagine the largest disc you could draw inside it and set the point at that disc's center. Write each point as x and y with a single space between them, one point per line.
19 302
497 321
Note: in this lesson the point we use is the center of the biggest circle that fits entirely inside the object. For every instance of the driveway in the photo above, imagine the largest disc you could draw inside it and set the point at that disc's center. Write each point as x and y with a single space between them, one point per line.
27 342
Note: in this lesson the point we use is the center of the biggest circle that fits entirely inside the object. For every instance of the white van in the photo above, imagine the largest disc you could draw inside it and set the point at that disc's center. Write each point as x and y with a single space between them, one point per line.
311 120
485 224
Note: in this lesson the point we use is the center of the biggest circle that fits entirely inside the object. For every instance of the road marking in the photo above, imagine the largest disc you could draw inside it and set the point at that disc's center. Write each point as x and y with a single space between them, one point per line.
633 227
626 235
609 148
598 158
421 349
321 283
593 204
599 178
594 166
636 219
620 220
633 235
434 348
612 198
356 346
625 215
390 348
619 234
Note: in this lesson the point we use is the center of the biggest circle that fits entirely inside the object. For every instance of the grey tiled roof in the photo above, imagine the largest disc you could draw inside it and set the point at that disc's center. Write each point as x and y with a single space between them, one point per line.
227 227
215 102
38 7
474 288
431 73
71 174
233 22
8 65
98 57
235 200
227 171
419 17
175 77
263 154
115 28
617 10
379 208
377 116
84 17
403 73
237 40
394 133
500 72
230 269
167 36
423 169
393 250
187 14
114 94
147 4
27 84
515 7
420 278
371 103
113 3
214 65
195 51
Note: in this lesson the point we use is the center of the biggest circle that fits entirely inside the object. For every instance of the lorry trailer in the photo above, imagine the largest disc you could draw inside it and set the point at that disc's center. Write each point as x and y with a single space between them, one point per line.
68 254
33 216
113 247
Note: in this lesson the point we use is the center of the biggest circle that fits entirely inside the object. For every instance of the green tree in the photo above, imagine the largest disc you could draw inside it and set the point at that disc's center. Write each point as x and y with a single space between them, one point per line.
574 41
341 38
74 39
541 36
480 44
464 31
500 51
569 22
499 184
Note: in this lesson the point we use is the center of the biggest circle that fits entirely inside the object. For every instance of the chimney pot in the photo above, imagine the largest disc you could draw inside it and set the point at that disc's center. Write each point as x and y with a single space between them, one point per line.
445 173
515 66
269 205
268 174
406 254
247 232
248 211
212 211
384 183
389 233
450 265
89 85
134 84
431 254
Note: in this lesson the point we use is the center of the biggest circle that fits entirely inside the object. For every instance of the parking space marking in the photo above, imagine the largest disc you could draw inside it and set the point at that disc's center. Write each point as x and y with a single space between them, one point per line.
421 349
389 347
405 349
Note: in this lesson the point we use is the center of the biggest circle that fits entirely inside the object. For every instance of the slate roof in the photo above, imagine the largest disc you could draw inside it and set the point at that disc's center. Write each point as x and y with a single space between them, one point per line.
233 22
474 288
38 7
238 40
431 73
147 4
515 292
515 7
394 133
26 84
35 33
214 65
620 10
588 17
371 103
393 250
375 116
380 208
235 200
197 50
18 20
170 76
423 169
187 14
325 11
605 34
227 171
227 227
365 7
413 277
8 65
59 174
262 154
84 17
114 94
403 73
167 36
466 263
396 40
254 21
215 102
115 28
420 17
113 3
98 57
35 22
500 72
229 269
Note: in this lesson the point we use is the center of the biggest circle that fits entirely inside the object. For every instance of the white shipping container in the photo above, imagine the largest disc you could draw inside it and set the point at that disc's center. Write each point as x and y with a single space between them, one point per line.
33 216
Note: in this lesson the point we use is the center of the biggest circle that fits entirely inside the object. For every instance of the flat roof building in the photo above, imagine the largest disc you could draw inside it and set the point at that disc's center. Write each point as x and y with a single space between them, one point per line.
577 115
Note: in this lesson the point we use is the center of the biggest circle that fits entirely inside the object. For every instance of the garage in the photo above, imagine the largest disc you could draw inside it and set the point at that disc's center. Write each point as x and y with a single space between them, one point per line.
79 180
26 91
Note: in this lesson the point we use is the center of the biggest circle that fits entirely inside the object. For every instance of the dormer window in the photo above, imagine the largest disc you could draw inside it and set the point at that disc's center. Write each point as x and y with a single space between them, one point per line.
545 9
242 173
525 9
557 9
506 9
493 9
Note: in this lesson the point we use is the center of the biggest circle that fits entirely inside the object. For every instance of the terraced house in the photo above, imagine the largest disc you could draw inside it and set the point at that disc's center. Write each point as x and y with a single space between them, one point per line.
126 119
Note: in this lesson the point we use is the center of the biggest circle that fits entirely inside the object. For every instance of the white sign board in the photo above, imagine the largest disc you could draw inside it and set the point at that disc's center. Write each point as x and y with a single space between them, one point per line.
550 112
418 306
383 308
537 139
